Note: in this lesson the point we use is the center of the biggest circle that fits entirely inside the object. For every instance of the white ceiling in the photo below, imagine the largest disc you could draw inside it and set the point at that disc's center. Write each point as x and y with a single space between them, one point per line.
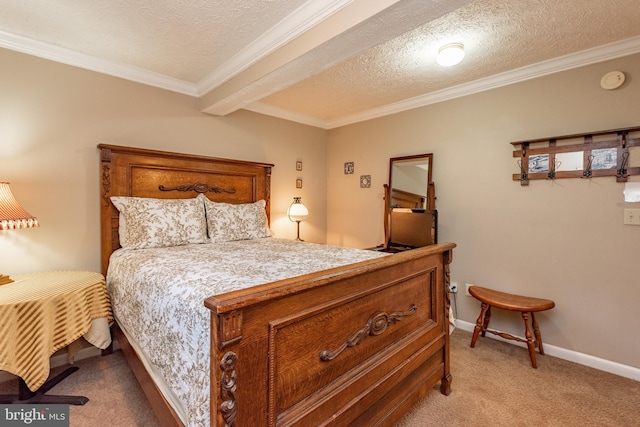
326 63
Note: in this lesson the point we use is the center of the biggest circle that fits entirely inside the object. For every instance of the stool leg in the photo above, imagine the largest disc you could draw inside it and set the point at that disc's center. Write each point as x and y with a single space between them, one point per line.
530 343
536 331
485 324
478 328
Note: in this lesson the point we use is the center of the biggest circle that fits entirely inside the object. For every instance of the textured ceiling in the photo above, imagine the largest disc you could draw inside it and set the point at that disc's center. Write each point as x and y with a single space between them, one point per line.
498 36
321 62
183 39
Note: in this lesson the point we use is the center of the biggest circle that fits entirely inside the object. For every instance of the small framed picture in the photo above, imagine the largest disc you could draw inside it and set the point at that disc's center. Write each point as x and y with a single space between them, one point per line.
299 183
349 167
298 166
365 181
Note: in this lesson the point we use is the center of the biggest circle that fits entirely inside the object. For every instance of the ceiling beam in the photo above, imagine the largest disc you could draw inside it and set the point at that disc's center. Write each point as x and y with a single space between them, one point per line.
348 31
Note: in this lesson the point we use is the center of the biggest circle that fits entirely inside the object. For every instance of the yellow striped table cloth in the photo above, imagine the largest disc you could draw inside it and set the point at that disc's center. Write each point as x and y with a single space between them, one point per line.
41 313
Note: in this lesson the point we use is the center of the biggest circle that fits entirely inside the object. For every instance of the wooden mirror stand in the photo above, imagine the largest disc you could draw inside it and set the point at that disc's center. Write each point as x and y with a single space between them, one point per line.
410 187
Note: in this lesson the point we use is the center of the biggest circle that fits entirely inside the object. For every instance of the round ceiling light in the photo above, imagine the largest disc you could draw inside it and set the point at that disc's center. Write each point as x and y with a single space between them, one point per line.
450 54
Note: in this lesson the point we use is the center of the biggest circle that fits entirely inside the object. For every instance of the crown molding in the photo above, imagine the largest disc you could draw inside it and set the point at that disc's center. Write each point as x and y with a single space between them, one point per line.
301 19
540 69
92 63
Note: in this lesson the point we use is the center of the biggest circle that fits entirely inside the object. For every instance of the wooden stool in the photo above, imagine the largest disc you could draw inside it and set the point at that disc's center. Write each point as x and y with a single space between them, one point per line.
526 305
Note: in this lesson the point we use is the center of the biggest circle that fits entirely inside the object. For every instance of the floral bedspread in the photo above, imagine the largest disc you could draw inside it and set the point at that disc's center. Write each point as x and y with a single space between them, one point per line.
158 297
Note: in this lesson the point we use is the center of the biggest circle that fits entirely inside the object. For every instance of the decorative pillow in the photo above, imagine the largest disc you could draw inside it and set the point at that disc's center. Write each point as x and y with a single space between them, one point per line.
157 223
227 222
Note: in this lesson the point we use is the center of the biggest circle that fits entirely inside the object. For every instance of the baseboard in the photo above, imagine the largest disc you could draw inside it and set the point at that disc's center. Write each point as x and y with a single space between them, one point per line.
570 355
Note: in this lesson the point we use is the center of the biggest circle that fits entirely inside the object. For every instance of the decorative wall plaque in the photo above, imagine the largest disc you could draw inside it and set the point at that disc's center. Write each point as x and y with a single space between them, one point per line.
349 168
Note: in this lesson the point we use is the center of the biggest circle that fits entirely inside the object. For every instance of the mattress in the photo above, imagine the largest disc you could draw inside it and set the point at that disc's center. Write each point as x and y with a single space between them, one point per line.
158 297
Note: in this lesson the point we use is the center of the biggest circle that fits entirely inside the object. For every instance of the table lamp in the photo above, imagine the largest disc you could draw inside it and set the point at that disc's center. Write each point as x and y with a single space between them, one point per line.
12 217
297 212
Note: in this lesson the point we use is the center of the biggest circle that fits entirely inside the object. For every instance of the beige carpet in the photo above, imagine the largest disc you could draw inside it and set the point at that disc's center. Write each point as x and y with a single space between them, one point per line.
115 398
493 385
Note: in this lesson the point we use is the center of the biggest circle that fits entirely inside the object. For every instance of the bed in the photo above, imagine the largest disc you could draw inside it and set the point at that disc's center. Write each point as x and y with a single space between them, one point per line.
355 338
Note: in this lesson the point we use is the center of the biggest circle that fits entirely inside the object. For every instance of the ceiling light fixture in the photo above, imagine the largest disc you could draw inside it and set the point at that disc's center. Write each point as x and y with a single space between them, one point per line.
450 54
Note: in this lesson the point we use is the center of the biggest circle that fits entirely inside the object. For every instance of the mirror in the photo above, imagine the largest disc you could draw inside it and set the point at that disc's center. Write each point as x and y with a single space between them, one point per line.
409 179
410 191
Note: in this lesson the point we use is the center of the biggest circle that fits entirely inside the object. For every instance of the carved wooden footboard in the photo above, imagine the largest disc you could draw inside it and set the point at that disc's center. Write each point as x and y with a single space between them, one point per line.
350 346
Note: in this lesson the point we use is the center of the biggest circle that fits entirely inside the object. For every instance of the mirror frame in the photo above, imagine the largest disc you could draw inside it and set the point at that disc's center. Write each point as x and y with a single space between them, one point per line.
430 194
431 205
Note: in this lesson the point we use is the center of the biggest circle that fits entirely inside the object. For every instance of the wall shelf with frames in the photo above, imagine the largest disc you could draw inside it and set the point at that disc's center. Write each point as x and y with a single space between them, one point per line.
587 155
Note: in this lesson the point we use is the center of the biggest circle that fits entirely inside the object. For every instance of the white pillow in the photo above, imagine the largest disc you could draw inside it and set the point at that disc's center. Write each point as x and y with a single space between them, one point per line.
227 222
157 223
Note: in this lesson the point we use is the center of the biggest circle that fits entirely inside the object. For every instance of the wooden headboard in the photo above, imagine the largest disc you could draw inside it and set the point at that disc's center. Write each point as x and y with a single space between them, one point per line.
137 172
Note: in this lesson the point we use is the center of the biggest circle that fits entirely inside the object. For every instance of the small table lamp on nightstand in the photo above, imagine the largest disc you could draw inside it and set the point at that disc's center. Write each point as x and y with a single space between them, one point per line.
12 216
297 212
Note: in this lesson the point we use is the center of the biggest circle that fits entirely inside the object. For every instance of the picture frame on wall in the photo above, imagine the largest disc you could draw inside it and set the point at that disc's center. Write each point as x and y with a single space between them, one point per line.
349 168
299 183
298 165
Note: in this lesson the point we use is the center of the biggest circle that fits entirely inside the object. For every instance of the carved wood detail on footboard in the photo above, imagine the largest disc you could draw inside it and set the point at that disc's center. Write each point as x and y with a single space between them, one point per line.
377 324
289 341
230 329
228 407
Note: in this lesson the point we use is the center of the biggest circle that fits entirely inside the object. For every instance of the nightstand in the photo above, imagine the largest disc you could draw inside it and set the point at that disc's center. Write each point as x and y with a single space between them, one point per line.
41 313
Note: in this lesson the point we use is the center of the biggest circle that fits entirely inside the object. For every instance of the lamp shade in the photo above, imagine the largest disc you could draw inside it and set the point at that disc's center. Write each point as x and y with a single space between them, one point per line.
12 215
297 211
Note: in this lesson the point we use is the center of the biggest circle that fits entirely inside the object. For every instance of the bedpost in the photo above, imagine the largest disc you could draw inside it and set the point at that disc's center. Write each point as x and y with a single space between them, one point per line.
228 408
226 334
105 208
268 192
445 384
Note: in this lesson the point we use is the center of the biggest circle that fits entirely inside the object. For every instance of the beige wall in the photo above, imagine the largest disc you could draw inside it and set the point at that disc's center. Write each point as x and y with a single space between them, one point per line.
52 117
564 239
